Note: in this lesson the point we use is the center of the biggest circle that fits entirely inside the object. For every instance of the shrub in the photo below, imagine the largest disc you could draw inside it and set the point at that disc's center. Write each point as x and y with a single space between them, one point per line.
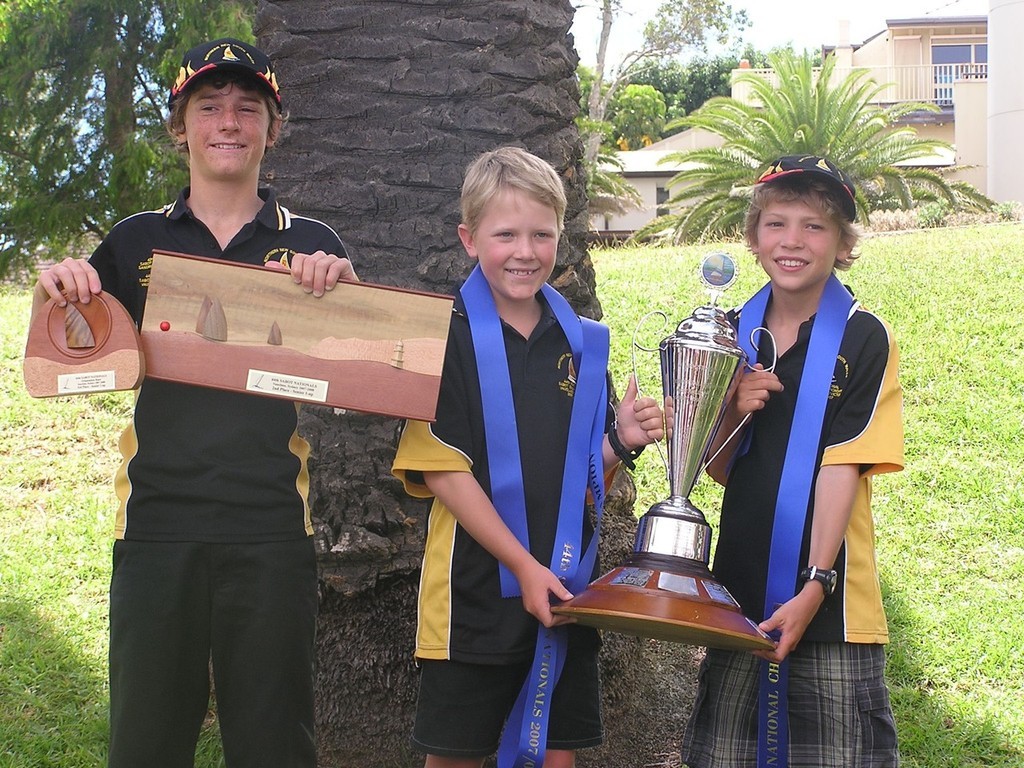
933 214
1009 211
892 221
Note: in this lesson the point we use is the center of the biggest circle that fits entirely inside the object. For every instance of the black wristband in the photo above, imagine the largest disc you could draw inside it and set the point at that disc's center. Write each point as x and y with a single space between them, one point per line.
626 456
824 576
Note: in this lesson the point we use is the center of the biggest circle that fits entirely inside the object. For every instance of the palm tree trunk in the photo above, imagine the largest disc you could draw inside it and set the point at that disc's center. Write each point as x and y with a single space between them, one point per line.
389 101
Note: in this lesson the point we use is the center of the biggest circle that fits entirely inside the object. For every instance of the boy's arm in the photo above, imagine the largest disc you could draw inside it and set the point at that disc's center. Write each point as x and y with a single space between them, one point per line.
466 500
834 494
638 422
750 393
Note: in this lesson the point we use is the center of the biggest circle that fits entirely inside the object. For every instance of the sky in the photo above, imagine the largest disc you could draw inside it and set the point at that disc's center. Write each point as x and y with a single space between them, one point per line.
804 23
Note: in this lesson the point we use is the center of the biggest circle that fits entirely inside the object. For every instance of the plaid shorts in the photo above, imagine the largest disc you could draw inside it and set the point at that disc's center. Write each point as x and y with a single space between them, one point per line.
839 711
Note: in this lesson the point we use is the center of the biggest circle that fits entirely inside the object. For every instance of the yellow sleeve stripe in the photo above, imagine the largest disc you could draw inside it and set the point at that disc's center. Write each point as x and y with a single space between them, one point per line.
420 450
881 443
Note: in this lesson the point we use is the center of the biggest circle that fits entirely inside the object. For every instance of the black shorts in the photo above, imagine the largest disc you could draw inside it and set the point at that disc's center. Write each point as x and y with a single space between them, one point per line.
462 707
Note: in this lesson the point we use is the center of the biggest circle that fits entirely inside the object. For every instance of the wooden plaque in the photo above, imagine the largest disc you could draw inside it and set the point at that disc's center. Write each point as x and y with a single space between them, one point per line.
251 329
82 348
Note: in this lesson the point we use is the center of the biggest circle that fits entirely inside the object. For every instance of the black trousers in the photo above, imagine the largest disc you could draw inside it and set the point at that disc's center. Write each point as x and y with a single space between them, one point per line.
251 609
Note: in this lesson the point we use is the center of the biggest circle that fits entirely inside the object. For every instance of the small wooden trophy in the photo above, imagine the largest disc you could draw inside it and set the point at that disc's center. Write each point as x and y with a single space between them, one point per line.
82 348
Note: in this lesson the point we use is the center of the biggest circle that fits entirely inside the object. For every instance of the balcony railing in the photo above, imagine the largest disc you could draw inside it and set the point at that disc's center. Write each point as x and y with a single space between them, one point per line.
928 83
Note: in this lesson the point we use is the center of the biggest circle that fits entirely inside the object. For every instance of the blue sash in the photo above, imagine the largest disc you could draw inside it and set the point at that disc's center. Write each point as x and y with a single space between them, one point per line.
794 492
525 737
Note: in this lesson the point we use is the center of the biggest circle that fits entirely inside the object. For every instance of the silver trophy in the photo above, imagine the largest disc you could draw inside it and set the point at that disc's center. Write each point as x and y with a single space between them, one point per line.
665 589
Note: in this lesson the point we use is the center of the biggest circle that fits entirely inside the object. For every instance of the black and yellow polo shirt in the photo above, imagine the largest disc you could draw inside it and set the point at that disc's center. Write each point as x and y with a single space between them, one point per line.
863 425
462 615
201 464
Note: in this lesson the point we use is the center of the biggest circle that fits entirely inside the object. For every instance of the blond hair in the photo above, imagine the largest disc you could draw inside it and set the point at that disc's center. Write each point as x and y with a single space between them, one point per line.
509 168
815 193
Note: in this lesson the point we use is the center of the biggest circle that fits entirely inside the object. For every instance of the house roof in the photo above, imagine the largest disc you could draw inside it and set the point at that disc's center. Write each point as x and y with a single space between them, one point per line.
937 21
944 20
690 138
646 162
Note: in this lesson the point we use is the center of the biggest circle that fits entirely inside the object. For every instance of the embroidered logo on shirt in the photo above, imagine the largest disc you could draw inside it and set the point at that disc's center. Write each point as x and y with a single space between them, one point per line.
840 377
282 255
145 268
568 384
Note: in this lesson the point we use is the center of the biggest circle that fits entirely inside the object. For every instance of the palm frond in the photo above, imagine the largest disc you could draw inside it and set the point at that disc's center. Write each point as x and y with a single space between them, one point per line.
806 111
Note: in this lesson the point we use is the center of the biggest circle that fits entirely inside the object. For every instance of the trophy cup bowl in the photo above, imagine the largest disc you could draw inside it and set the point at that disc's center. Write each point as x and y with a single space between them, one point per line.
665 589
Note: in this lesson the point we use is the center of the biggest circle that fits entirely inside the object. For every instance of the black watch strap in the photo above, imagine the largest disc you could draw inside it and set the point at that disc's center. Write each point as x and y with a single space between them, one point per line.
625 455
827 578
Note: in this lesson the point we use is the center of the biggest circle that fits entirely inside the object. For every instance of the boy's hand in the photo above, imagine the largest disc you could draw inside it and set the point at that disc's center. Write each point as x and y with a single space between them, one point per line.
318 272
72 280
753 390
640 420
791 620
539 585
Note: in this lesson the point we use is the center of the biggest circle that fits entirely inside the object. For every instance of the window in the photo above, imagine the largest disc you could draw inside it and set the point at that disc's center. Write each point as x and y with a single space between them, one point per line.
955 62
661 195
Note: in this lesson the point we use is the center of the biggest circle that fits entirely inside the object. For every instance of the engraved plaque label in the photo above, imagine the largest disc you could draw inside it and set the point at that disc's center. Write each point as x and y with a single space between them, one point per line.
283 385
633 577
76 383
681 585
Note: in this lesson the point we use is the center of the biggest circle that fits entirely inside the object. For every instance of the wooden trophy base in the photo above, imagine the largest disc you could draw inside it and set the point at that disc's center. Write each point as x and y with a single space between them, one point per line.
82 348
666 598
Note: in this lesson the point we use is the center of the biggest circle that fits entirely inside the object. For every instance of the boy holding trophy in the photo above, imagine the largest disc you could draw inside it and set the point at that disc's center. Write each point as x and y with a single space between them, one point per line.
523 436
796 543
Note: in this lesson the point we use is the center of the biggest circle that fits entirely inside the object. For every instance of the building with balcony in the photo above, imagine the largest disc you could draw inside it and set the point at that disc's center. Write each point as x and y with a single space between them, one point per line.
940 61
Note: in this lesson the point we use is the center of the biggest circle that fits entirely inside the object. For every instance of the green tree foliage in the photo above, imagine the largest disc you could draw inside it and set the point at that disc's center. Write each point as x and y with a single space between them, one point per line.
678 26
638 114
83 94
608 192
810 112
671 78
686 86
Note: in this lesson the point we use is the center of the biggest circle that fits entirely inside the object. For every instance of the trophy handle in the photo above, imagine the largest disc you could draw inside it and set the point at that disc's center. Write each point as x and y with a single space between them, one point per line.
636 371
636 344
749 367
757 348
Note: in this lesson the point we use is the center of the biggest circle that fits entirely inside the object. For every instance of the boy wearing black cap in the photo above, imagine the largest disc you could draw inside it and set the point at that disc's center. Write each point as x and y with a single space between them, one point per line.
213 558
796 544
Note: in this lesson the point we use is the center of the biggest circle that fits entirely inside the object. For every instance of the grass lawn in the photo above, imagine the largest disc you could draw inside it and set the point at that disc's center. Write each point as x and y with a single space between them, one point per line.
950 527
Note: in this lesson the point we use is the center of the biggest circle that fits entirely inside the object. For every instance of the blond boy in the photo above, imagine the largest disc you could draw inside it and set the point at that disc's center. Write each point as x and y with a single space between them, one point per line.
508 531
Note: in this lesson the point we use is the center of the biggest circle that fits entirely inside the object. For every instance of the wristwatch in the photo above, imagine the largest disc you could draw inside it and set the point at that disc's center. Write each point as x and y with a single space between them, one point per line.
626 456
827 579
